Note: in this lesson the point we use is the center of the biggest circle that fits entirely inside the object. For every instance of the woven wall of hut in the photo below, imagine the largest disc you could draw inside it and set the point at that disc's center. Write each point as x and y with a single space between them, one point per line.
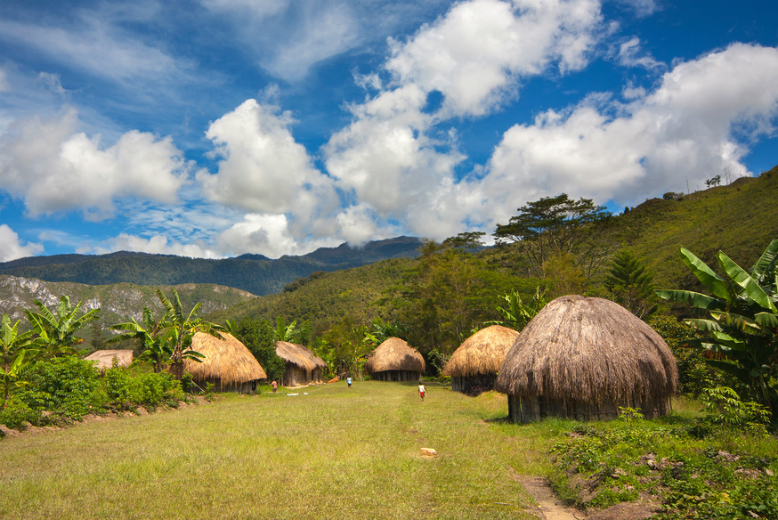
248 387
473 385
528 409
396 375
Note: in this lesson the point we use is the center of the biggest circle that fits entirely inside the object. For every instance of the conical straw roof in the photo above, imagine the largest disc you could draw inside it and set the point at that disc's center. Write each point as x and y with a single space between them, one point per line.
299 355
482 353
226 359
588 349
394 354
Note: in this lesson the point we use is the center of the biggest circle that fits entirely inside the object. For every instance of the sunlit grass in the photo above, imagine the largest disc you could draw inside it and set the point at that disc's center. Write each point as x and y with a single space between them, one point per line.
334 452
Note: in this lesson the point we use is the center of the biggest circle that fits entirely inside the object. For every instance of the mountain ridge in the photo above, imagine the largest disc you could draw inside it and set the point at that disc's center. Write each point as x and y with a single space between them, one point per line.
256 274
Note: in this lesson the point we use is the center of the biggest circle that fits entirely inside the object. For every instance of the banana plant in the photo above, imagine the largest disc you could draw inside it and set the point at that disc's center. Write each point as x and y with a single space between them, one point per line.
742 318
180 329
13 349
517 314
56 333
156 347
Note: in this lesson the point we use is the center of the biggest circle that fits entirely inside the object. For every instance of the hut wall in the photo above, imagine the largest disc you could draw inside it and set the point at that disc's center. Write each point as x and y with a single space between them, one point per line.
247 387
294 376
474 385
396 375
529 409
316 376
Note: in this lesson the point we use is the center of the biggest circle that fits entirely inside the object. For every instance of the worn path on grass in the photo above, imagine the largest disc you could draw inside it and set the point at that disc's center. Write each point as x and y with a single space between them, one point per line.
336 451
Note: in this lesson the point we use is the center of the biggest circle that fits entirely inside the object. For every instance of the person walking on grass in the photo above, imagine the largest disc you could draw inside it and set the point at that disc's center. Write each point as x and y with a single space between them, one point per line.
274 385
421 390
348 380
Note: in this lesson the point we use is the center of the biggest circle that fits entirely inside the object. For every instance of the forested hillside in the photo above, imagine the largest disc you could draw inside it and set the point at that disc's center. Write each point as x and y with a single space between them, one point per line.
253 273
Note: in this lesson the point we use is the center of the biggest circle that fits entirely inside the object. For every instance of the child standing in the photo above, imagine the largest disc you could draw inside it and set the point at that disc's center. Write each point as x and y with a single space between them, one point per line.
348 380
421 390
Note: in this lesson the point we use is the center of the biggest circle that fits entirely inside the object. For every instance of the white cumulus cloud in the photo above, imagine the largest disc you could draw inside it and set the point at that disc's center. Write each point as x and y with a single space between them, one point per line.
11 248
685 129
262 169
477 52
53 167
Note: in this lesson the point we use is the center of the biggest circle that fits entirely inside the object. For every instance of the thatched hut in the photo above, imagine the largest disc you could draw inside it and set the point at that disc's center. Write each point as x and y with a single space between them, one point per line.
302 367
104 358
473 367
394 360
582 358
228 364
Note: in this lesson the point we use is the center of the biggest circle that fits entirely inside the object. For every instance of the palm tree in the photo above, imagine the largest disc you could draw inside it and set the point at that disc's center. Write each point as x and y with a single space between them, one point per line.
56 333
13 347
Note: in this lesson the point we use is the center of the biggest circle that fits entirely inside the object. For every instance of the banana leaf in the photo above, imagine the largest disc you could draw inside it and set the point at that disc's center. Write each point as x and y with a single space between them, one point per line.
695 299
741 323
767 261
744 280
705 274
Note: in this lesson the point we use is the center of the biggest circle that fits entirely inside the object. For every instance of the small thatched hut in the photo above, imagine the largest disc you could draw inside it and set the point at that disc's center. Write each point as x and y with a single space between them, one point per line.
104 358
303 367
228 364
582 358
473 367
394 360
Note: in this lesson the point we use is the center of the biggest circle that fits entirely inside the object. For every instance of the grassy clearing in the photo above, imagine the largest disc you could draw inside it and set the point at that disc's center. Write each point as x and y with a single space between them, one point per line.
351 453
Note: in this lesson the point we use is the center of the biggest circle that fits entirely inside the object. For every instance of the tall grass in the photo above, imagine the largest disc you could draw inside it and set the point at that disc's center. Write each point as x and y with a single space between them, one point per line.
336 452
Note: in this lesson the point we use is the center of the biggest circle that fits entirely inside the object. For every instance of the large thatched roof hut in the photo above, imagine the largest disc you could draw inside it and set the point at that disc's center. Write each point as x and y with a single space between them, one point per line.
303 367
394 360
104 358
228 364
583 358
473 367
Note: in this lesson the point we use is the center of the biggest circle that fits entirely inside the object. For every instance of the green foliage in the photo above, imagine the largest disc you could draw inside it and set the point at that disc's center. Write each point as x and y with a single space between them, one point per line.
518 314
467 242
629 284
604 464
694 373
12 353
743 324
16 413
67 386
56 333
557 226
346 346
445 295
725 407
259 336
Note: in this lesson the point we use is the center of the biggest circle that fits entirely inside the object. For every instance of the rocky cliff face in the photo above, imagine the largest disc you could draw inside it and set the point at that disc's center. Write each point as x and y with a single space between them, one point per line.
118 302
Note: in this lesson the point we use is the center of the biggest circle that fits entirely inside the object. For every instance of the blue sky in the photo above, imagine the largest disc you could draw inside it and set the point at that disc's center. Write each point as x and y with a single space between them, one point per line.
213 128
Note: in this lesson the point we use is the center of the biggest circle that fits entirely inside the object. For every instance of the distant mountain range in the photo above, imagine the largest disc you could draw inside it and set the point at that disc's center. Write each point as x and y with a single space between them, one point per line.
256 274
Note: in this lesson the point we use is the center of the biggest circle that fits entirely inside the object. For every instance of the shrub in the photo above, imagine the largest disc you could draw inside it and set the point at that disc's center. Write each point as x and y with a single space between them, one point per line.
68 386
16 413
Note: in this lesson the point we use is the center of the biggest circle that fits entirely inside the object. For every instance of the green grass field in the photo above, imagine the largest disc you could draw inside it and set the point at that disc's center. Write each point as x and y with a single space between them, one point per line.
334 453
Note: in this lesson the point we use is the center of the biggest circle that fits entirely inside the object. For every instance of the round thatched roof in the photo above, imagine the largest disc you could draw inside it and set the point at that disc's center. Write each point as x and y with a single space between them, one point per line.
226 359
588 349
394 354
299 355
481 353
104 358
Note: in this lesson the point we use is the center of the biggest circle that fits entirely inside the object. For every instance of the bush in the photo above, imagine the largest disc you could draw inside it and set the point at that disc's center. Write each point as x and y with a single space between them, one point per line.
16 413
67 386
